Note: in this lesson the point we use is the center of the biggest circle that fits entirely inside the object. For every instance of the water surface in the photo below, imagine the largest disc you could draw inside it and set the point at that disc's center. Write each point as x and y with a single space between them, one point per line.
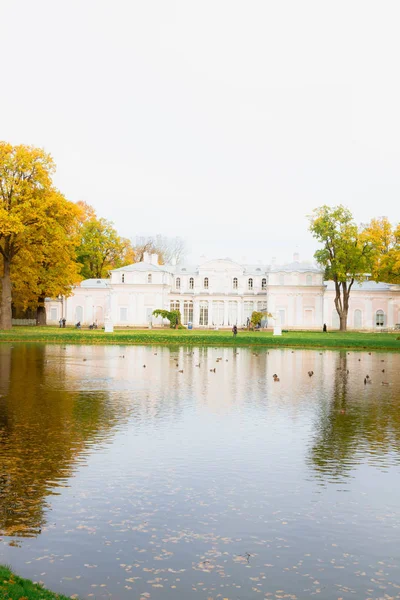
129 481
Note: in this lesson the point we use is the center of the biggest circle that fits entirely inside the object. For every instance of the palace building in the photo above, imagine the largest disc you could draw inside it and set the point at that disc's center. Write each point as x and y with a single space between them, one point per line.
221 293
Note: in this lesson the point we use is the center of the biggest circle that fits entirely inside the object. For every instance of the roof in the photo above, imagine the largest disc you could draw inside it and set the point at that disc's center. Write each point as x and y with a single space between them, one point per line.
365 286
94 283
142 267
296 267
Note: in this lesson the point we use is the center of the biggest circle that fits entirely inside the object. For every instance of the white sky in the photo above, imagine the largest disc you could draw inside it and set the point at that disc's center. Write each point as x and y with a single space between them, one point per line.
223 122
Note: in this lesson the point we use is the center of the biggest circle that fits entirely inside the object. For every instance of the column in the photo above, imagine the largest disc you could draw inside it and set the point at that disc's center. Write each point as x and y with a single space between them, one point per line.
291 315
299 310
114 307
210 311
369 318
390 316
318 310
196 312
226 313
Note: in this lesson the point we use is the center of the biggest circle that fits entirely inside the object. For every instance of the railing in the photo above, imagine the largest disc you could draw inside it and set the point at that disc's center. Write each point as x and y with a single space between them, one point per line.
23 321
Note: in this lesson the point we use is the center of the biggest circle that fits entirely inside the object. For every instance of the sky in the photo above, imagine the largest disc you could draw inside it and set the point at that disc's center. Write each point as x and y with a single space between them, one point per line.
223 122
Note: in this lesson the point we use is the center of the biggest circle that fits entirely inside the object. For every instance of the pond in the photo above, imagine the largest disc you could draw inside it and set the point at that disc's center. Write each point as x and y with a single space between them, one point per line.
139 472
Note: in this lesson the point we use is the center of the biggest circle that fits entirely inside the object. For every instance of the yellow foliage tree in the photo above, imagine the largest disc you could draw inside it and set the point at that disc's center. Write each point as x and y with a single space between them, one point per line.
31 219
384 239
47 267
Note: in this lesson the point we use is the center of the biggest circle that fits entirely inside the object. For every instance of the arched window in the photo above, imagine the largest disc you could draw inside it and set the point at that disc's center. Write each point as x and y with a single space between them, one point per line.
149 278
191 283
123 278
206 283
380 318
235 283
250 284
188 312
203 316
357 319
79 314
309 280
263 284
178 283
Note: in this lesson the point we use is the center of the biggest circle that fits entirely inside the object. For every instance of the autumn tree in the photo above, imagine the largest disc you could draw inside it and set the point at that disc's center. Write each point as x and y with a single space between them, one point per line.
344 255
25 185
384 239
47 267
101 248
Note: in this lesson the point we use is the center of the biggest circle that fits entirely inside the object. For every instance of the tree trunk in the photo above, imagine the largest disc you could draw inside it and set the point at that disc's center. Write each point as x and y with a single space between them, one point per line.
343 321
5 306
41 312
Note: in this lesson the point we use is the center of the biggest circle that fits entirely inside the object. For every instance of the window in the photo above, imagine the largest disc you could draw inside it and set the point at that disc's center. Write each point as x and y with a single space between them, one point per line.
233 312
281 280
149 278
309 280
218 313
178 283
123 314
188 312
123 277
235 283
357 319
203 320
206 285
53 314
263 284
191 283
380 318
250 284
174 305
248 310
262 306
79 314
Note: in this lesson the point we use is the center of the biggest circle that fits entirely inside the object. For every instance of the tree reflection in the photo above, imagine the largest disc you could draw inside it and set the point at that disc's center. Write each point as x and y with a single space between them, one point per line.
44 430
355 424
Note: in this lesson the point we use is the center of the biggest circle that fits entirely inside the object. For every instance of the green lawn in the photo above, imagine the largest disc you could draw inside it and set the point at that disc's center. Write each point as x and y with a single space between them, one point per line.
13 587
302 339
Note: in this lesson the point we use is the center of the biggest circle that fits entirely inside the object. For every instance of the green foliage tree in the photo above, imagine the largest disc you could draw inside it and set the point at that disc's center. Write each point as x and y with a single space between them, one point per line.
257 317
345 254
173 316
101 248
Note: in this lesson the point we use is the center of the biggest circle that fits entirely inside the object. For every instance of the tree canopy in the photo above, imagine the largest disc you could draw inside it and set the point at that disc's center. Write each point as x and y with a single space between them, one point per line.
26 210
101 248
384 239
345 254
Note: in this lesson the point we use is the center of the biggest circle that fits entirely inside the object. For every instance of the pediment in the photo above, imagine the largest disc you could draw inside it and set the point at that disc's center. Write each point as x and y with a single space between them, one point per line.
222 264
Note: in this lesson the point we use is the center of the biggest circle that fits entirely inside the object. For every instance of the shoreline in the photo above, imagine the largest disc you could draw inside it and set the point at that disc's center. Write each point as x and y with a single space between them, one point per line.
184 337
14 587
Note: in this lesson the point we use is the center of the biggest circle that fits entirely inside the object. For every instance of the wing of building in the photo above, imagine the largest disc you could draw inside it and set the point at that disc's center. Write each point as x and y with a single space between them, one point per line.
222 293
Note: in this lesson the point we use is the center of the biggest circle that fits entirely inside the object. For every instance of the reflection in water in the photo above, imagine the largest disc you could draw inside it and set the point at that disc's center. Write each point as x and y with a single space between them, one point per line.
118 478
44 430
354 424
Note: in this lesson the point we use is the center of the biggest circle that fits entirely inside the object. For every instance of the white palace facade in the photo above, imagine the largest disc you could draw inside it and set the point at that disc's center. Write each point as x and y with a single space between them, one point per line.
222 293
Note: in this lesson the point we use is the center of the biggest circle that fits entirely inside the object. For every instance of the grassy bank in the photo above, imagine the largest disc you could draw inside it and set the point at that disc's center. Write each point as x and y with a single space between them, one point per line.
185 337
13 587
